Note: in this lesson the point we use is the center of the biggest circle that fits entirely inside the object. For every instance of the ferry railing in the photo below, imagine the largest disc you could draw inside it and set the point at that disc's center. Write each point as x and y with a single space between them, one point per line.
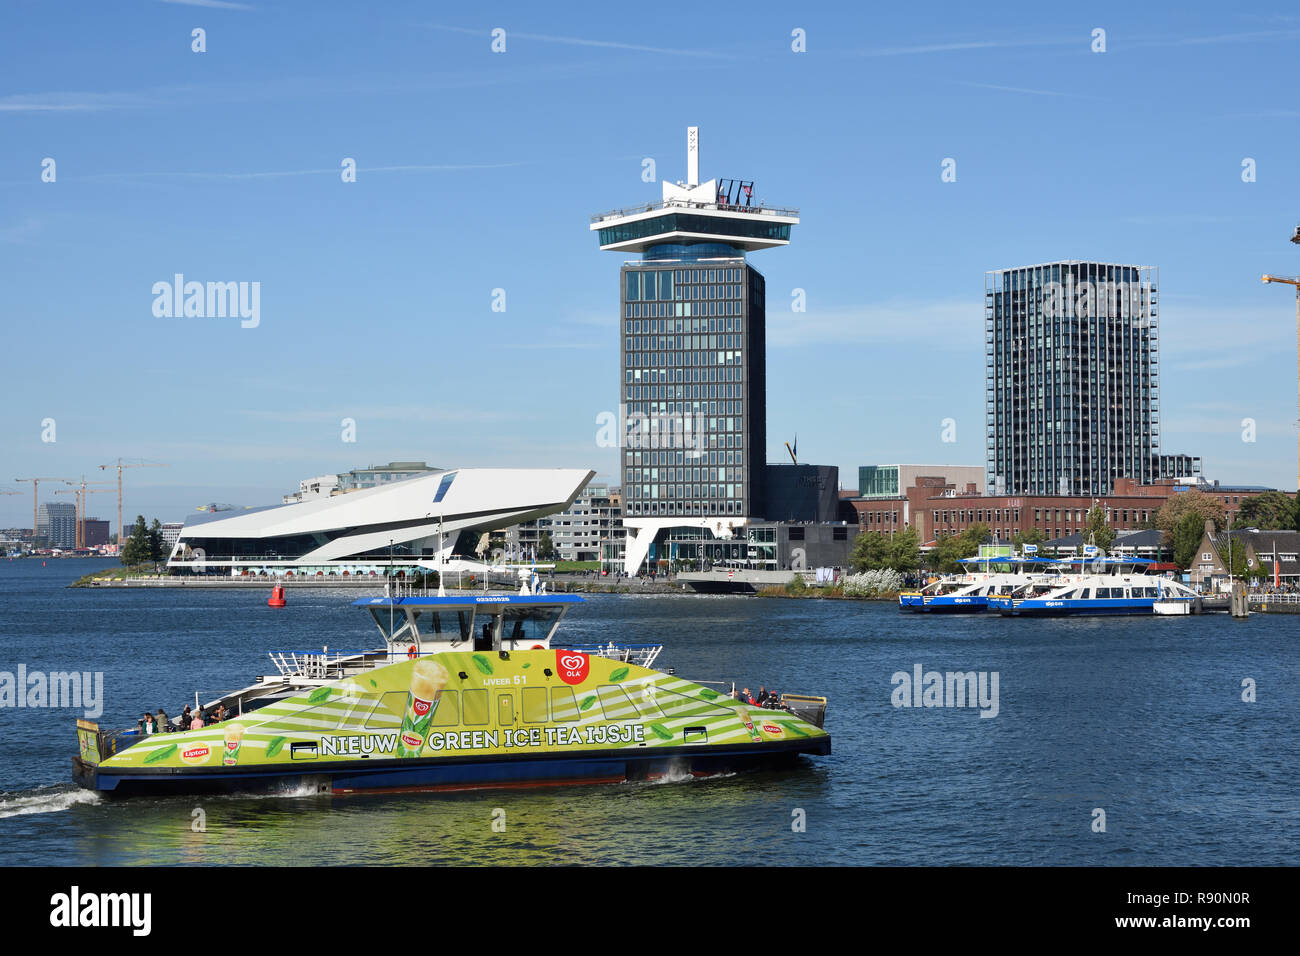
643 655
318 665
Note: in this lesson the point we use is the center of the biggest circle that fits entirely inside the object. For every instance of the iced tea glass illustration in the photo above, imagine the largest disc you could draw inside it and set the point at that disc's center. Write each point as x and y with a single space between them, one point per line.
428 678
744 715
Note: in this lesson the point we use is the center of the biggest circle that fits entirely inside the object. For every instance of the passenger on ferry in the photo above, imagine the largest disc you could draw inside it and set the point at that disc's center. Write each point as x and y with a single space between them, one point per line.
220 713
161 721
146 724
197 722
183 723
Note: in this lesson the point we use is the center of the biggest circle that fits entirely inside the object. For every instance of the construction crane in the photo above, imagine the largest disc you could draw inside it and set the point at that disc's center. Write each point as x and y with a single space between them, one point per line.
81 493
1293 281
36 484
121 532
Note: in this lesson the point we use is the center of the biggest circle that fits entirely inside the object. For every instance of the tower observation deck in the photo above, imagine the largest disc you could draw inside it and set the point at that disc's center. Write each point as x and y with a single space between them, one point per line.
692 365
694 213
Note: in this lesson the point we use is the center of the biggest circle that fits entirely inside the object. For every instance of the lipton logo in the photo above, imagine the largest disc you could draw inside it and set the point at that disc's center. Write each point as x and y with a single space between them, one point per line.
573 667
197 754
411 740
772 728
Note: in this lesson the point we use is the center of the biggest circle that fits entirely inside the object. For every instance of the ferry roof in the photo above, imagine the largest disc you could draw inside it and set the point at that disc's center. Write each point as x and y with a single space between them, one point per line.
1002 558
479 600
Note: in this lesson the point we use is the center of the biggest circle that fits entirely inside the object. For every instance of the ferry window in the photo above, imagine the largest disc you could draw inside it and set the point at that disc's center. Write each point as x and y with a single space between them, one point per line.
615 703
476 707
388 711
535 711
446 625
528 623
563 704
446 714
505 710
674 704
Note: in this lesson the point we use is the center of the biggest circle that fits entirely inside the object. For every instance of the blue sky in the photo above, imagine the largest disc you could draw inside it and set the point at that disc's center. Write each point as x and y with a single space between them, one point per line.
480 170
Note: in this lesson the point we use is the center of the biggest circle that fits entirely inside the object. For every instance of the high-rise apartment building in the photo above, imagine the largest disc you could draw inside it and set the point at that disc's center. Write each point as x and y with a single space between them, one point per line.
1072 369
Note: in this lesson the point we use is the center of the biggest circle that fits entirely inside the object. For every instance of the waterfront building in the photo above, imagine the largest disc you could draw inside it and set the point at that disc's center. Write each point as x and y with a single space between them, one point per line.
171 532
1263 550
57 524
892 481
692 365
94 533
1072 371
423 521
802 493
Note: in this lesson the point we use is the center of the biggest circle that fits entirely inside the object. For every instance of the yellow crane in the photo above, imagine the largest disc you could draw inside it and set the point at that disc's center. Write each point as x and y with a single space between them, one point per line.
36 484
121 532
1293 281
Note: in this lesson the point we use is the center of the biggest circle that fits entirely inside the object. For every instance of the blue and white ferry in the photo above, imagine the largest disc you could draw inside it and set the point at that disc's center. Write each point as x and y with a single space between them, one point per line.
1115 587
983 577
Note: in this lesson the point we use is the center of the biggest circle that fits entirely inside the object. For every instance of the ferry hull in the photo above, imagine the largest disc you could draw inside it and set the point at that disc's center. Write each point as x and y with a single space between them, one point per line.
388 776
1082 608
943 605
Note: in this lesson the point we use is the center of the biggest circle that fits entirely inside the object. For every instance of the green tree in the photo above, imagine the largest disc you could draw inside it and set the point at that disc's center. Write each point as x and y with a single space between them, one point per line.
1208 507
1097 529
1185 539
136 549
1240 569
1273 510
1032 536
906 551
947 554
156 541
545 547
870 551
873 551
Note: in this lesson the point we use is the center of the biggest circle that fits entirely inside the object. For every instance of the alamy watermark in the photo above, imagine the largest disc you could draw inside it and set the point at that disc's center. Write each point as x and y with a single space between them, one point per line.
923 688
211 300
652 430
77 689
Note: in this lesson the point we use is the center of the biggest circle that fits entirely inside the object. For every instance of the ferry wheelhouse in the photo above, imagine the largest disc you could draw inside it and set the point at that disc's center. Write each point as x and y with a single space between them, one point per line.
464 692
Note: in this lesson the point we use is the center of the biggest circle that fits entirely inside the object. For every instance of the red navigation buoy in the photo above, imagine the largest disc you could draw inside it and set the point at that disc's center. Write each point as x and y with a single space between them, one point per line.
277 597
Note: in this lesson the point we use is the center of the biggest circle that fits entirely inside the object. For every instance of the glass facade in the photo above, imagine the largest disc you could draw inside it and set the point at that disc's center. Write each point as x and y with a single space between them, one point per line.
878 481
693 379
701 225
1072 397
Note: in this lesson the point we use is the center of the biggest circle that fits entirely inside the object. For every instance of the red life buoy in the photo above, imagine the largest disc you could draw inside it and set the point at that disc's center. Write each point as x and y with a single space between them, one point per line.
538 647
412 652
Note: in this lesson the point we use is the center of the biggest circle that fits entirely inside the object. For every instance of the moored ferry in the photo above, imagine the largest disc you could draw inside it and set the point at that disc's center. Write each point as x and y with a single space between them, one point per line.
1113 591
969 592
465 693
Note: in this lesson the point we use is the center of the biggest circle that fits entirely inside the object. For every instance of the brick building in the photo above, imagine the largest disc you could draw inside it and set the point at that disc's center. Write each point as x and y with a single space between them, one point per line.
937 509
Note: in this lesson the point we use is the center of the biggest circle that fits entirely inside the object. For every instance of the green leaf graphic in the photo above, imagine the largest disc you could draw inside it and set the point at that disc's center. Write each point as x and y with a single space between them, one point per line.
275 746
709 694
319 695
793 729
586 703
372 682
162 754
528 665
482 663
618 675
661 733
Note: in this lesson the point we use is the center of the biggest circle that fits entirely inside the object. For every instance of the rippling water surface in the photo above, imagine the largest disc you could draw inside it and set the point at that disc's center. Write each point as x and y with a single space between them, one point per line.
1142 718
